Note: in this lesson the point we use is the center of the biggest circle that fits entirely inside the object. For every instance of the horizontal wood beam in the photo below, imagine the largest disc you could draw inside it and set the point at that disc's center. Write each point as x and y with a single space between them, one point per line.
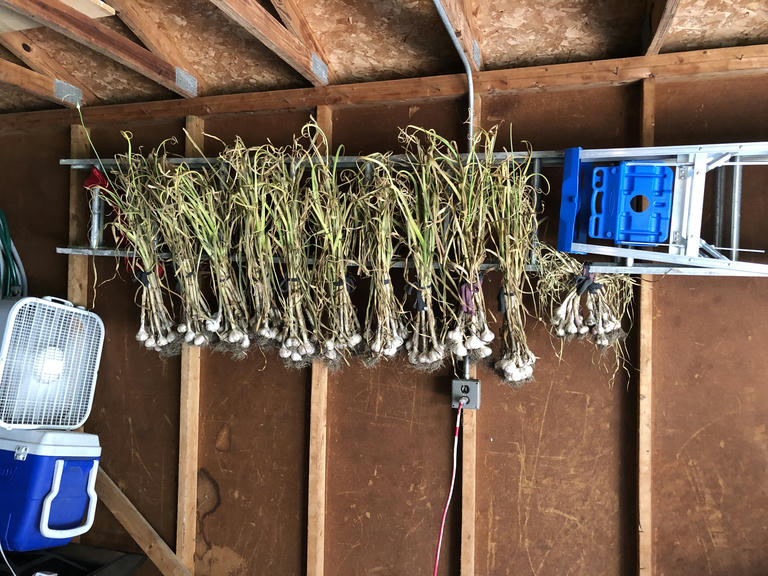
138 527
681 65
38 84
22 45
74 25
255 19
676 66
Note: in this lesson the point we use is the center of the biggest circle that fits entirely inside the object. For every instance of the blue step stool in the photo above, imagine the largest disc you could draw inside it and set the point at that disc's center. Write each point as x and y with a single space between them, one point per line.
630 203
47 487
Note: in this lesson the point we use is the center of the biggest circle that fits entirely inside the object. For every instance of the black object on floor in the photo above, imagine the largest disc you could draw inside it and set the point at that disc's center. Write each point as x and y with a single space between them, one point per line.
74 560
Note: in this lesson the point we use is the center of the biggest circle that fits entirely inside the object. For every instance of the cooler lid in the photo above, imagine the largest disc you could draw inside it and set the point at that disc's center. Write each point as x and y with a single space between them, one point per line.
51 443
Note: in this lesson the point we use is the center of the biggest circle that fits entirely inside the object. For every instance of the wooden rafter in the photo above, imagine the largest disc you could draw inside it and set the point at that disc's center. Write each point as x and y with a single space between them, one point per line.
135 15
67 21
699 64
660 16
10 21
461 18
294 19
33 54
251 16
38 84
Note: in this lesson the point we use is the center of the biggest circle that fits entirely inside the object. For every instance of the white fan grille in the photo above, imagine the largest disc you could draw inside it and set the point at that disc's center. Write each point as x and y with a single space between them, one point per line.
50 367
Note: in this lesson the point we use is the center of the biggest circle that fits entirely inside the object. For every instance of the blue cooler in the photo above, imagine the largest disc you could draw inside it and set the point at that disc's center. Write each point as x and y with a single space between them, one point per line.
47 487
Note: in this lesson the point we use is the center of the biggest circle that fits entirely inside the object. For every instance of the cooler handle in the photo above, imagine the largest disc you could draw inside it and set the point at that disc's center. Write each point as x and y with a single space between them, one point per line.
49 532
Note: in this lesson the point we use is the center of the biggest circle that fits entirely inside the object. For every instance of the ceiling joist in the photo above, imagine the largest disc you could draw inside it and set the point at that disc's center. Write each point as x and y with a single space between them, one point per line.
135 15
25 48
461 19
38 84
660 16
67 21
295 20
251 16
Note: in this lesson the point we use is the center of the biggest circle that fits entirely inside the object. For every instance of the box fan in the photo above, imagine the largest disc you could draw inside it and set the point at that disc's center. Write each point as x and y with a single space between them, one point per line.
49 358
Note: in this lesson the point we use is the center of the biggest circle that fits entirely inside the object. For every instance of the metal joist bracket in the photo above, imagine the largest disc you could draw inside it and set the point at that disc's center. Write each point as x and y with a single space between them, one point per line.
65 92
319 68
477 54
186 81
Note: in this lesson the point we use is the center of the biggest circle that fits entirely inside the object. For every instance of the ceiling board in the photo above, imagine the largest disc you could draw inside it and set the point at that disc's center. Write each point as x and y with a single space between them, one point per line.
225 57
702 24
535 32
110 81
379 40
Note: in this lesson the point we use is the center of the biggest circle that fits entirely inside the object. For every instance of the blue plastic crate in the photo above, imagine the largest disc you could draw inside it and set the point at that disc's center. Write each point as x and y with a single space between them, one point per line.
47 487
630 202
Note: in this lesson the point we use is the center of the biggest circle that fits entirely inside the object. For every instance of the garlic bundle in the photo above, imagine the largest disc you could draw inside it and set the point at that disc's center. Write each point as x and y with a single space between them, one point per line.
377 187
156 327
517 361
425 351
471 336
512 216
517 366
297 343
385 332
344 330
567 320
604 297
602 321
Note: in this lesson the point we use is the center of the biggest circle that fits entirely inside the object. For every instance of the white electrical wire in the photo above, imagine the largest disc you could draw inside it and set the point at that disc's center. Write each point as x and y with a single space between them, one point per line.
453 481
6 561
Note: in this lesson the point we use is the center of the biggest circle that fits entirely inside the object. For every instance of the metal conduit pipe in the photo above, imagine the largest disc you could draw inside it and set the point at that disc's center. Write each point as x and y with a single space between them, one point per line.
467 68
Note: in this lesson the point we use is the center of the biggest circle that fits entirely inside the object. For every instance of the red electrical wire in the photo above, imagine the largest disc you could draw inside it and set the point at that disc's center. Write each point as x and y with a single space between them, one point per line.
453 480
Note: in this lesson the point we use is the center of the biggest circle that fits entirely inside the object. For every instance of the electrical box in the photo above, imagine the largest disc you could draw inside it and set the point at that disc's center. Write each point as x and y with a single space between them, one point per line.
465 388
